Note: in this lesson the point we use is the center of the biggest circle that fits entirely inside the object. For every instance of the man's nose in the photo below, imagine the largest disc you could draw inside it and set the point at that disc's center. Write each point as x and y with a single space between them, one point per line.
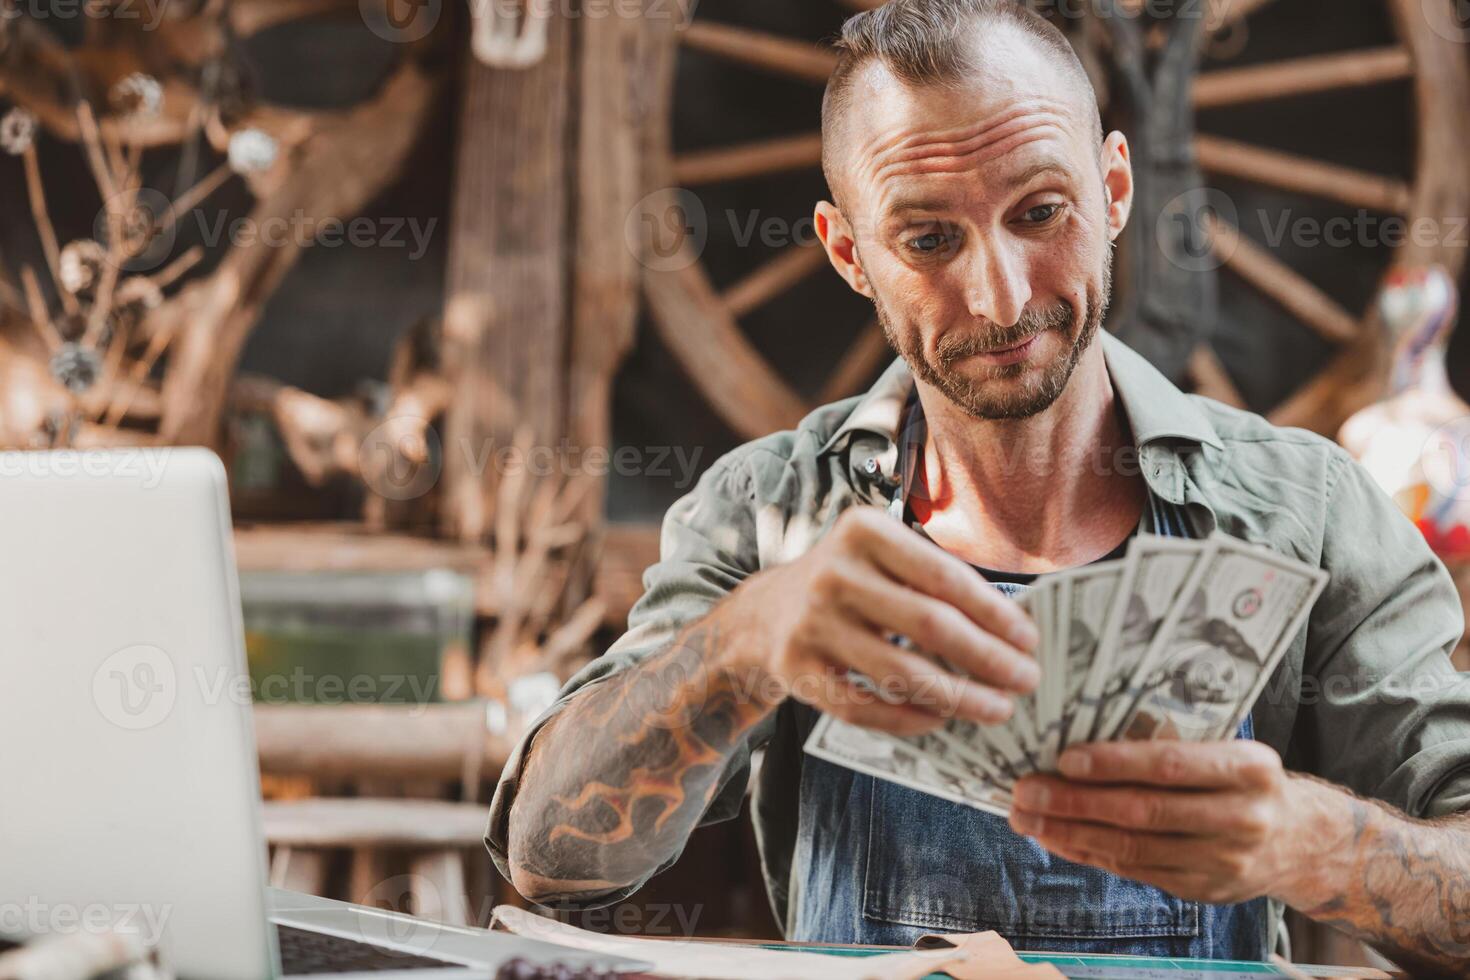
999 287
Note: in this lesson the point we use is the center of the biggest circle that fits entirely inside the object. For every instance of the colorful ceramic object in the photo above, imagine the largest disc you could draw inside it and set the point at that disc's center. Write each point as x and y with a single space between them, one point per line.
1416 442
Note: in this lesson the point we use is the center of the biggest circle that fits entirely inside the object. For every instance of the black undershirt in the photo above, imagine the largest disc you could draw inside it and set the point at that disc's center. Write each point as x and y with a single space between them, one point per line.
1026 578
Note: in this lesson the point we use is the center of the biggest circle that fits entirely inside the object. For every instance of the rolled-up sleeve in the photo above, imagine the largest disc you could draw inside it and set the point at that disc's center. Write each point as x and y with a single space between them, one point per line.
1383 710
706 548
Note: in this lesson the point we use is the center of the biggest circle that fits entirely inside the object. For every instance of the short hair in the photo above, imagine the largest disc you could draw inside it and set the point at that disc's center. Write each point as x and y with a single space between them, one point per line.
923 42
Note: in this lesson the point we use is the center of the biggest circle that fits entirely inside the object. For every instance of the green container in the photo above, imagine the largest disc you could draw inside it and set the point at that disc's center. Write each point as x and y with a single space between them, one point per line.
353 637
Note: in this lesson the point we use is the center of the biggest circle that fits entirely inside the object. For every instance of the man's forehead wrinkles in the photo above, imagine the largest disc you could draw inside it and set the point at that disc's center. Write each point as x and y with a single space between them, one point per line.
904 140
883 172
1000 145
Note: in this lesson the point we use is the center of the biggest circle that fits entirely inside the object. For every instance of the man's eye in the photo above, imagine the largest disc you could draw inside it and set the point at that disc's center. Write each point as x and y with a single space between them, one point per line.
1042 213
930 244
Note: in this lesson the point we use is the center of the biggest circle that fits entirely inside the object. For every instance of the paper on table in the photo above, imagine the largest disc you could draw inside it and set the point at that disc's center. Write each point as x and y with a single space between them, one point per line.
972 956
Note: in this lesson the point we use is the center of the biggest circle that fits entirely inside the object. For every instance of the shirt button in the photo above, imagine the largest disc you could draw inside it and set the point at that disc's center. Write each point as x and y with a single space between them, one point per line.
871 466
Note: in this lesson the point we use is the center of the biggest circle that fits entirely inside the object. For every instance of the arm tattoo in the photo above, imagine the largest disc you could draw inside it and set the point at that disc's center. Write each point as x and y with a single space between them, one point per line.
1404 887
615 783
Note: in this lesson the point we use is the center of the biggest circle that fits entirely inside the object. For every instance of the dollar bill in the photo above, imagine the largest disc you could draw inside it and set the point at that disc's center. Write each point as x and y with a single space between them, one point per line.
1161 568
1085 610
1222 641
947 756
874 754
1003 753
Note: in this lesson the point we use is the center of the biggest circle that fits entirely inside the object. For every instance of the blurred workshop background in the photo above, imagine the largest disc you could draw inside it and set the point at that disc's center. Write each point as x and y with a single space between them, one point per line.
467 294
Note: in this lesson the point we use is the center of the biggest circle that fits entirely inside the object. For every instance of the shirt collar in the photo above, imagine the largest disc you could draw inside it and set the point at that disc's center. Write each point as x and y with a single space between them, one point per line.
1155 407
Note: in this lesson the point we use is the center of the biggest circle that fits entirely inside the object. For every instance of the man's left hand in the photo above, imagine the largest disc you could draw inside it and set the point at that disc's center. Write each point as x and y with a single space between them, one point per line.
1210 822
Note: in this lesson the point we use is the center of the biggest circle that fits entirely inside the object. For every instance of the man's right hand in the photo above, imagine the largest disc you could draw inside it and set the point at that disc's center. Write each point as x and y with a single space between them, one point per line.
835 609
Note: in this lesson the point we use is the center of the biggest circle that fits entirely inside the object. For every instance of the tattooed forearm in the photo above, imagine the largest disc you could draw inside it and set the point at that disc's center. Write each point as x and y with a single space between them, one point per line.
1399 884
616 782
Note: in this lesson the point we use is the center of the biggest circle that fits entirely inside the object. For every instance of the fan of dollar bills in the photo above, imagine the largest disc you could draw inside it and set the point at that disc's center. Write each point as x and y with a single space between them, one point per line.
1176 641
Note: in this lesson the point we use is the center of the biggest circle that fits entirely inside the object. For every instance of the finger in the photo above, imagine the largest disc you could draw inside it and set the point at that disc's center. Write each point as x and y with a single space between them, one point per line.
856 706
939 629
1138 807
1125 850
1190 884
909 678
1240 764
928 568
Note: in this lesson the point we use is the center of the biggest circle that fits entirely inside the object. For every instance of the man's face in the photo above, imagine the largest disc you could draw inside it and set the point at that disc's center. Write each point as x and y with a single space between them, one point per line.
980 222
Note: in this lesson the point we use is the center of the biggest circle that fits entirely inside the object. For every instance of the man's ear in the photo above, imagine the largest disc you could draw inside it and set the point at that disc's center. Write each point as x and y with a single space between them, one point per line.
837 238
1117 174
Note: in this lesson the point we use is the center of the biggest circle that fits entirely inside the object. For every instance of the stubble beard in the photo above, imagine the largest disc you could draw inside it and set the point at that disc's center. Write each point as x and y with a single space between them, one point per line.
977 397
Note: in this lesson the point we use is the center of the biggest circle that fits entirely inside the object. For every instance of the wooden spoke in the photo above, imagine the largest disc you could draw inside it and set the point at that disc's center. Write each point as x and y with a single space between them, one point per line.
1220 14
768 52
733 377
773 278
1300 76
858 365
1351 381
1211 379
1280 283
1290 172
748 160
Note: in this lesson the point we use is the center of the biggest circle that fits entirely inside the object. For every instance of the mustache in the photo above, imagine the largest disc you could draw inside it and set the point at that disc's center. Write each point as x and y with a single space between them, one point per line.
1032 323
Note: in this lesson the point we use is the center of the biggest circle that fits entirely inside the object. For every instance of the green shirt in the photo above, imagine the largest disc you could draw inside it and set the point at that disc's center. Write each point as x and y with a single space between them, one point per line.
1366 696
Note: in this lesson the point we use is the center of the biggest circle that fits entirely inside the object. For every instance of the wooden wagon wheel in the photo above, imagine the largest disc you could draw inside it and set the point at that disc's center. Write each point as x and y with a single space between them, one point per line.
700 324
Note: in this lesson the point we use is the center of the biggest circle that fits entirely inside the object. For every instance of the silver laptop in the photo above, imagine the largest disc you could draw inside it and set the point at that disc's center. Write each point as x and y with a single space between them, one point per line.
129 793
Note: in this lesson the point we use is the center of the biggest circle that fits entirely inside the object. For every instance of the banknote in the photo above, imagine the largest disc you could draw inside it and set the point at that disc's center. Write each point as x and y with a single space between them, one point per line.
950 757
874 754
1085 610
1161 569
1222 641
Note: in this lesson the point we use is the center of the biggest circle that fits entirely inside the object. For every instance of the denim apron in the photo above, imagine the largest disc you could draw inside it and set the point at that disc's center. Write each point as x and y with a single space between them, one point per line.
876 862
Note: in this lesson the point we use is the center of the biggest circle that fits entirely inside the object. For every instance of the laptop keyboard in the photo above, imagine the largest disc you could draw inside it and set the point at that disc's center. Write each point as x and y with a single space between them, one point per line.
306 953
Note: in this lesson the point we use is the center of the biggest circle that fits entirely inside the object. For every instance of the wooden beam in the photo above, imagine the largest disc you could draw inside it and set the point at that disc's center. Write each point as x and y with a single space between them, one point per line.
509 256
348 547
1290 172
353 741
373 823
1211 379
758 49
1350 381
773 277
698 330
618 62
627 549
1220 14
1442 103
1280 283
858 365
748 160
1301 76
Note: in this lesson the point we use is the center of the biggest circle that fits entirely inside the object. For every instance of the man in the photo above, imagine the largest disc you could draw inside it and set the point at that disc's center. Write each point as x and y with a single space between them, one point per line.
975 203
